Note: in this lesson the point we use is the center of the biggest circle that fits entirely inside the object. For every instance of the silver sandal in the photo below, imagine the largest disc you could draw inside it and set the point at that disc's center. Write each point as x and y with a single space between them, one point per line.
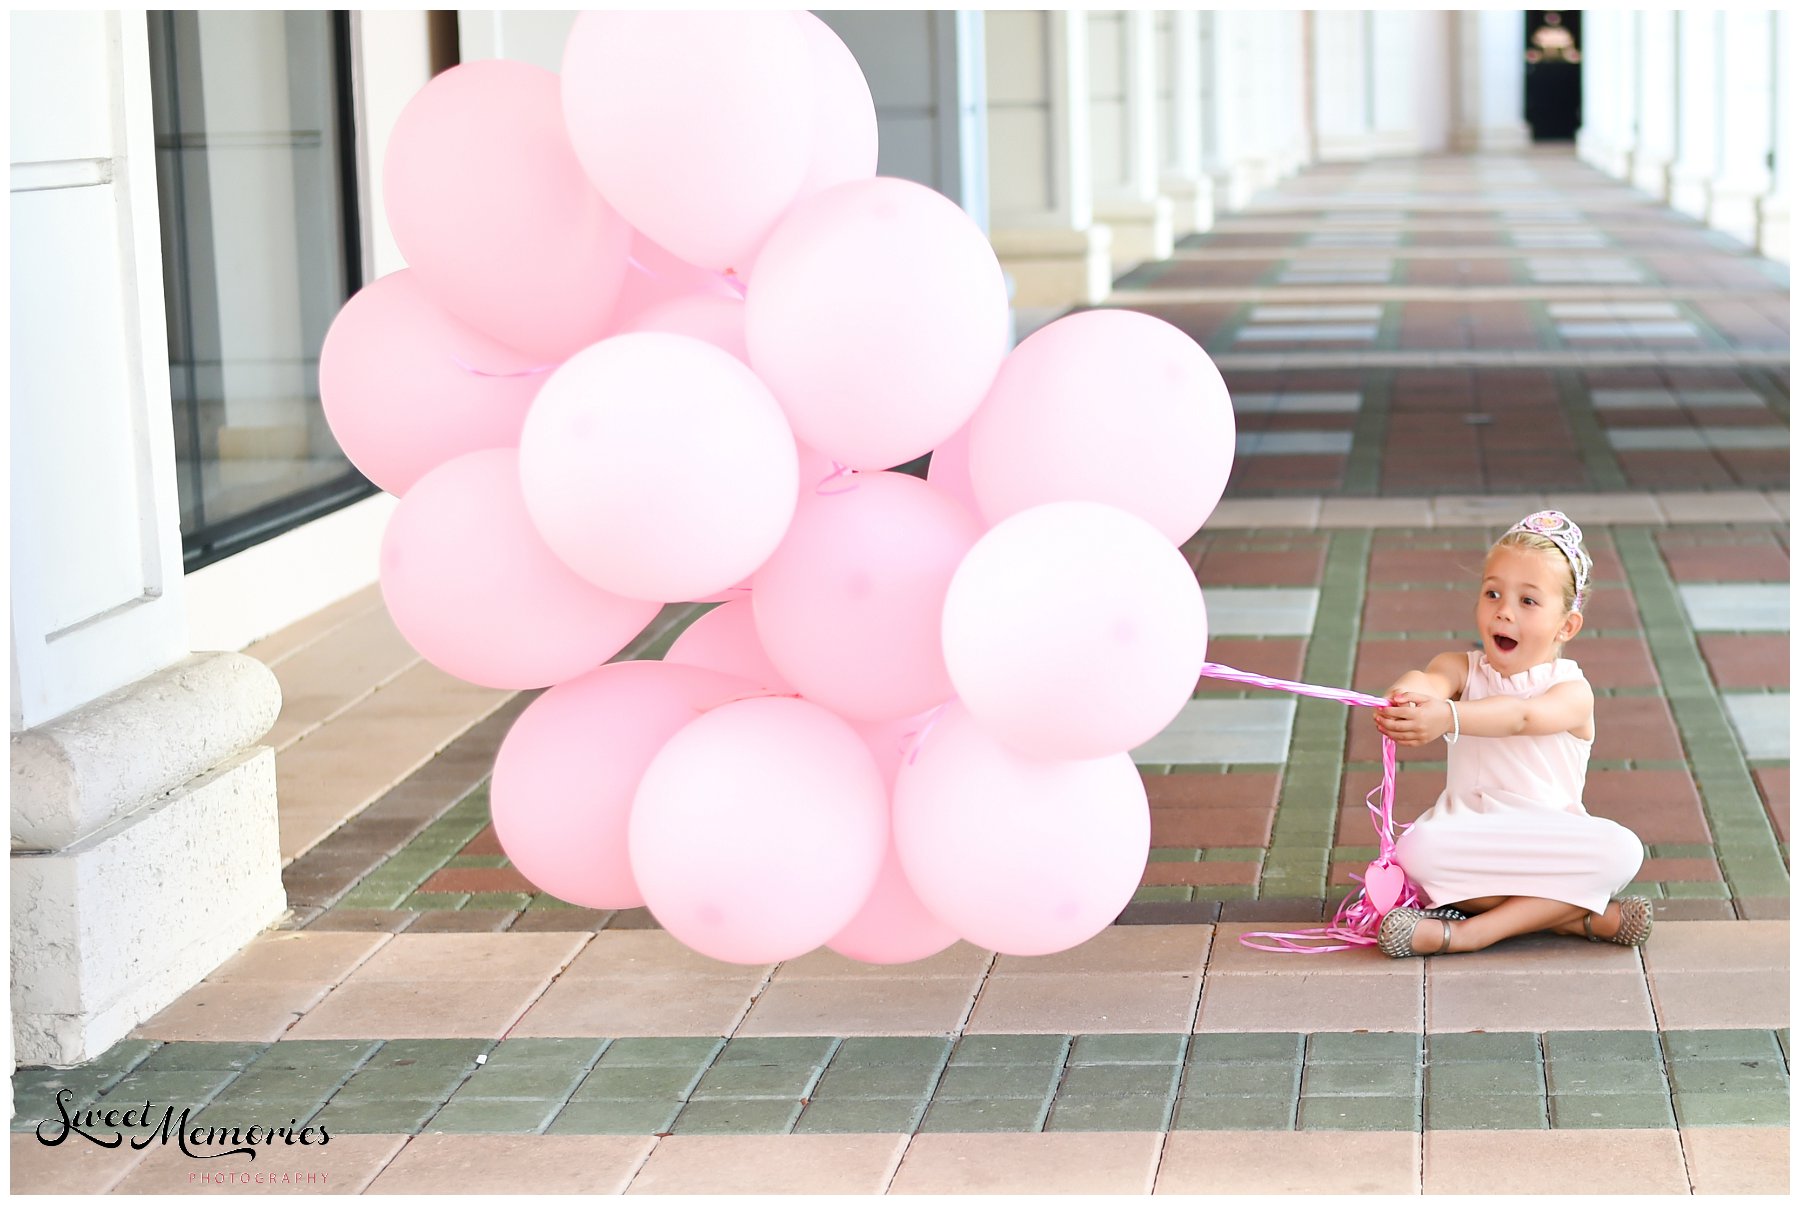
1635 921
1396 934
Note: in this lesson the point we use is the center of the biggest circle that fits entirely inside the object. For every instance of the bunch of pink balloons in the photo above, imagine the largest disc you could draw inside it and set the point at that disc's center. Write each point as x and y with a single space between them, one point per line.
663 335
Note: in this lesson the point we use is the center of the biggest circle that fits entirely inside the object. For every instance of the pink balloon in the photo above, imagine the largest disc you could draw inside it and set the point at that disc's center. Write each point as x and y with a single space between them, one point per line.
893 925
878 316
657 276
724 640
570 765
711 319
696 126
475 590
1018 855
658 467
407 387
758 829
491 208
850 606
948 472
845 144
1106 406
1074 630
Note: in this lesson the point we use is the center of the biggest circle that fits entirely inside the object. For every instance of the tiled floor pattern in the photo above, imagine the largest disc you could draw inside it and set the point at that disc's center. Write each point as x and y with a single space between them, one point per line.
1689 1042
1414 364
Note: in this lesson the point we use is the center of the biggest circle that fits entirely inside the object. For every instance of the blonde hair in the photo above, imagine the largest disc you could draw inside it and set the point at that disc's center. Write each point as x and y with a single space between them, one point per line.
1533 542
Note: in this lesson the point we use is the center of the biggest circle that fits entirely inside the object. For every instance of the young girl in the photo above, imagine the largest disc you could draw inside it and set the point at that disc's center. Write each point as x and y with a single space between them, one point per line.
1508 843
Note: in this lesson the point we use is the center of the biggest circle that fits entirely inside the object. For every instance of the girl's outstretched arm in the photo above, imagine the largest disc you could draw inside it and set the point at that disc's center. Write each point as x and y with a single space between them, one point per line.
1418 718
1443 678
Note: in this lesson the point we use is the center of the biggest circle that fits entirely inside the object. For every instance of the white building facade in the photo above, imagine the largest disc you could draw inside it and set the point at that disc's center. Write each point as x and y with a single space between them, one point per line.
143 817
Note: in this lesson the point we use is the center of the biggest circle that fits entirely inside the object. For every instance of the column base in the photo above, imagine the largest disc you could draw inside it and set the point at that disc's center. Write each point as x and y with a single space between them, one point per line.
145 851
1690 191
1734 209
1142 231
1772 227
1591 149
1650 173
1055 266
1235 185
1346 148
1511 136
1191 204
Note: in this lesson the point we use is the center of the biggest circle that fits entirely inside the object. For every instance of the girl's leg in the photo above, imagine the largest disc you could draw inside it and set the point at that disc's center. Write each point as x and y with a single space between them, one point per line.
1509 918
1479 904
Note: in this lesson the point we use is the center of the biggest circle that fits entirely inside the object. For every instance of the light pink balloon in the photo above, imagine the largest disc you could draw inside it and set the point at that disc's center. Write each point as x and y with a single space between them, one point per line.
1015 854
476 591
845 142
878 316
724 640
711 319
657 276
658 467
570 764
758 829
948 472
850 606
491 208
1106 406
696 126
407 387
1074 630
893 925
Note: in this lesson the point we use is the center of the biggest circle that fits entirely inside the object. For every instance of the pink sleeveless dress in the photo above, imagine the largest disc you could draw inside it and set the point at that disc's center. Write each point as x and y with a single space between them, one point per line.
1510 820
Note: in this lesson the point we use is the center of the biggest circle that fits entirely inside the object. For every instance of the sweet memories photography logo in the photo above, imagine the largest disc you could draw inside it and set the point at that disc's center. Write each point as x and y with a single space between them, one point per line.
112 1127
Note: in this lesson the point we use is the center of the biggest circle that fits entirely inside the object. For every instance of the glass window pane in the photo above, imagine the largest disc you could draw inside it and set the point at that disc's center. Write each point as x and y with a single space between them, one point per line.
259 252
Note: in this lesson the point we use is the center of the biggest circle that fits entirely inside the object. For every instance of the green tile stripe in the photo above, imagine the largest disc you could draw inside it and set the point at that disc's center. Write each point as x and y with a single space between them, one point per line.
1011 1083
1591 444
1362 468
1743 839
1300 842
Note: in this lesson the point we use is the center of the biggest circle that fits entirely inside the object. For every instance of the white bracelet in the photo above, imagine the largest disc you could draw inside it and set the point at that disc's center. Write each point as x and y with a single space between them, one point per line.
1450 738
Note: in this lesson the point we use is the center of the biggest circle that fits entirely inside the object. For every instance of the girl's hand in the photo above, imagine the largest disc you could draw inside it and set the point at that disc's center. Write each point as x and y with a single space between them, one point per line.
1413 719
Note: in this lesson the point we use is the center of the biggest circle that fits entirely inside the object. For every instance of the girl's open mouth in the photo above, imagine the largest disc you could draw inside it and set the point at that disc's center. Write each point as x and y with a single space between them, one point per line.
1505 644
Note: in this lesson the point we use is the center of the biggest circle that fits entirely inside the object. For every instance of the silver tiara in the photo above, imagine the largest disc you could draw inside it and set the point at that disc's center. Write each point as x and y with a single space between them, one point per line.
1560 530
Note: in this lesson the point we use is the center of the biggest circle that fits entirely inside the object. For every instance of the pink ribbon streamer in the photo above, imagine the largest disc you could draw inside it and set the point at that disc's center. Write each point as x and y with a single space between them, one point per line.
482 372
838 469
1357 921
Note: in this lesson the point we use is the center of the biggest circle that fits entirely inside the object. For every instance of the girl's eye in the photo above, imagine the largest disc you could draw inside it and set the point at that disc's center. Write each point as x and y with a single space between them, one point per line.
1493 594
1531 602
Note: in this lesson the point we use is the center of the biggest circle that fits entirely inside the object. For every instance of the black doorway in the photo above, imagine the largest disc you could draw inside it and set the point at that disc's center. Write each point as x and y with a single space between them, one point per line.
1552 74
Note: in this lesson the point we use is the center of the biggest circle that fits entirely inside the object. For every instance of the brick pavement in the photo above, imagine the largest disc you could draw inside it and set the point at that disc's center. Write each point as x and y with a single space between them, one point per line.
1414 366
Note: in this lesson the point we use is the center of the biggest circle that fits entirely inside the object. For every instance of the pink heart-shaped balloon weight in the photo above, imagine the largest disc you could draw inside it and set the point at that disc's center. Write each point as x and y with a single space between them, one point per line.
1382 885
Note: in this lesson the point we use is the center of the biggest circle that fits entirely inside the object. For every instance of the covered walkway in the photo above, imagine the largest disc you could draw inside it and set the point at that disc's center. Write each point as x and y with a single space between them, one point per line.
1420 352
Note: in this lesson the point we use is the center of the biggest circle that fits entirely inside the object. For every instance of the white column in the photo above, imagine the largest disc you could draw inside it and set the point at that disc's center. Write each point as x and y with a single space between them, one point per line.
1490 95
1772 211
1179 46
1595 136
1697 124
1409 81
1122 116
1627 65
144 843
1040 173
1295 87
1657 102
1239 52
1343 107
1745 122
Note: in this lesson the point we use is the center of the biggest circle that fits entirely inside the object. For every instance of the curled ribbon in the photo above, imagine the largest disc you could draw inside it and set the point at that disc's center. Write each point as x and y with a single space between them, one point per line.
1358 917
